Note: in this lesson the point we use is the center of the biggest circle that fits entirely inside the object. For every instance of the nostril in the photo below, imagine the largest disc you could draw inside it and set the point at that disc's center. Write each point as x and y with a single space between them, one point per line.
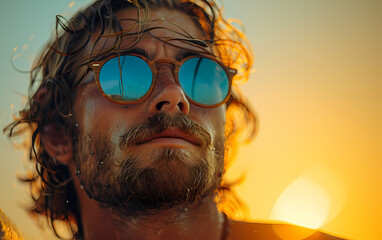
160 104
181 105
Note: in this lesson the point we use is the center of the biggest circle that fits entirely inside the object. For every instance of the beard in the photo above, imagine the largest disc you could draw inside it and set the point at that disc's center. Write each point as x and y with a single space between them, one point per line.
174 176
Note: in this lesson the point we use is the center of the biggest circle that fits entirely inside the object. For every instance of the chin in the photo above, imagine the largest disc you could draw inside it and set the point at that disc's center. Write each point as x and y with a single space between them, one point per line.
162 179
138 181
171 158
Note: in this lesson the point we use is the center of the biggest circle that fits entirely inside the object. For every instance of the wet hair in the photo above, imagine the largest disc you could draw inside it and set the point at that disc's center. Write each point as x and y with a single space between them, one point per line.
63 64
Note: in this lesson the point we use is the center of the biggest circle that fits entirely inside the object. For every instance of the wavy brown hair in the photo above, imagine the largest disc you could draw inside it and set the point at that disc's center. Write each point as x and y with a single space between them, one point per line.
64 62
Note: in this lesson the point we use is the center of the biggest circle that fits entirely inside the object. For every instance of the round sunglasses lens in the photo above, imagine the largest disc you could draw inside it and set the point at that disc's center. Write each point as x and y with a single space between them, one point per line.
125 78
204 80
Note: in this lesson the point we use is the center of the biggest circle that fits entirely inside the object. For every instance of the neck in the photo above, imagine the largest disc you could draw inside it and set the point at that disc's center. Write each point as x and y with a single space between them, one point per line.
199 220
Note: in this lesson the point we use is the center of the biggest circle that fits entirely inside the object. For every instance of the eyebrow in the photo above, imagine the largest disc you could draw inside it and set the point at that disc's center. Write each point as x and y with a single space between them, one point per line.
183 54
138 51
152 54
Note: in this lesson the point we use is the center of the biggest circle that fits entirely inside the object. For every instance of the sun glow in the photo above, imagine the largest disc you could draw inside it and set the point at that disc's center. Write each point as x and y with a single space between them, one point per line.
303 203
313 199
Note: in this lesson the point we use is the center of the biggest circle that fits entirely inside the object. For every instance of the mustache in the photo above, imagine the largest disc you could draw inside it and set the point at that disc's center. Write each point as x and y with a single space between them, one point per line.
160 122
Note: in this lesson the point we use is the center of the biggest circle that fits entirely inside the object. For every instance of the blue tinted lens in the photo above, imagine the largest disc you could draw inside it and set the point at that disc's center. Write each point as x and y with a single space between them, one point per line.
204 80
125 78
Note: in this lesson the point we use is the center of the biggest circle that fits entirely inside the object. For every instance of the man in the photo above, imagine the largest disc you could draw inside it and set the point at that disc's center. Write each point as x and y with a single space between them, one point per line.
134 118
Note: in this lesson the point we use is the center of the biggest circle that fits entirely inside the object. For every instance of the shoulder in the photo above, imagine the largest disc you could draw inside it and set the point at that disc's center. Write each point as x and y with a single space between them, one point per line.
246 230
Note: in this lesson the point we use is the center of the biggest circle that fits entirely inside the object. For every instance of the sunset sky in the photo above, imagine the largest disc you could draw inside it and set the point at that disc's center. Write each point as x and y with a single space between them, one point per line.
316 86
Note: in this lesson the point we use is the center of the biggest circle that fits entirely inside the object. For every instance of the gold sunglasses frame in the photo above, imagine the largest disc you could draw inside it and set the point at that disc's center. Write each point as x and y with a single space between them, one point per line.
96 66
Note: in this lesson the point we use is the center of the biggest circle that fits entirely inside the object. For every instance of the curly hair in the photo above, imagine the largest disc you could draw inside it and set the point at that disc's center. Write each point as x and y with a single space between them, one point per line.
63 64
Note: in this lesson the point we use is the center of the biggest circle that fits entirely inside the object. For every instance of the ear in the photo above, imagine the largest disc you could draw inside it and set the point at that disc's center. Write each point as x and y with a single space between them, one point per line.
55 141
57 144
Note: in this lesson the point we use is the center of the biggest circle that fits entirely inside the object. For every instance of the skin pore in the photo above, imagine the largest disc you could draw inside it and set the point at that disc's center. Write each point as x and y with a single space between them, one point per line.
101 124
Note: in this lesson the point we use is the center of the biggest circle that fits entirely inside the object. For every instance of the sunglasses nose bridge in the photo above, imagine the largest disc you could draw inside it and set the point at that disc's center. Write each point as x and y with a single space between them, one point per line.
168 95
164 66
165 71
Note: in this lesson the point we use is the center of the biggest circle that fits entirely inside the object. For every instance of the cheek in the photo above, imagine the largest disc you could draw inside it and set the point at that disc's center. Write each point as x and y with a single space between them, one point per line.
98 117
212 119
219 117
218 121
94 112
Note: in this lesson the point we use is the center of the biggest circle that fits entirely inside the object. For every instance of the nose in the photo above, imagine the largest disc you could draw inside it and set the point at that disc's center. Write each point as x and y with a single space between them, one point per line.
168 96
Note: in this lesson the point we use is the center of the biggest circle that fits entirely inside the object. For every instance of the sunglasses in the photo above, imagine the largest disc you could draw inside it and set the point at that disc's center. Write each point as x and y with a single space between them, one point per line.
127 79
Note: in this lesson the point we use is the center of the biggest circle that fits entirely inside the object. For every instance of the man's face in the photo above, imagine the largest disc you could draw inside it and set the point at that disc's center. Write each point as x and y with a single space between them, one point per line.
117 164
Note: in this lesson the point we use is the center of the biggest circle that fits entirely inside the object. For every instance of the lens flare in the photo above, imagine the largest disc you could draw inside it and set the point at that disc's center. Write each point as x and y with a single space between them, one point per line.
304 203
313 199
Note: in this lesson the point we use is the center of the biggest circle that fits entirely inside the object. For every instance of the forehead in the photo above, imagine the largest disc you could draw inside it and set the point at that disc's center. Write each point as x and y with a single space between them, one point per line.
162 25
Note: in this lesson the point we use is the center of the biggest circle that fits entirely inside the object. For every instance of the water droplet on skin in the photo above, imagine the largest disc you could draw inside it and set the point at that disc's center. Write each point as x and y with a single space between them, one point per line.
101 162
90 139
78 171
91 152
67 201
76 124
107 154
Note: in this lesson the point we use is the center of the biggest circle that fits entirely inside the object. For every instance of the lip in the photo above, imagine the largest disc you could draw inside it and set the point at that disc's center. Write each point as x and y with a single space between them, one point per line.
172 134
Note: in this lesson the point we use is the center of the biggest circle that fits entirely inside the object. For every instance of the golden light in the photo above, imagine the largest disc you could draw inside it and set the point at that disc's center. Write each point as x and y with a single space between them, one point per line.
63 229
303 203
310 201
8 229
